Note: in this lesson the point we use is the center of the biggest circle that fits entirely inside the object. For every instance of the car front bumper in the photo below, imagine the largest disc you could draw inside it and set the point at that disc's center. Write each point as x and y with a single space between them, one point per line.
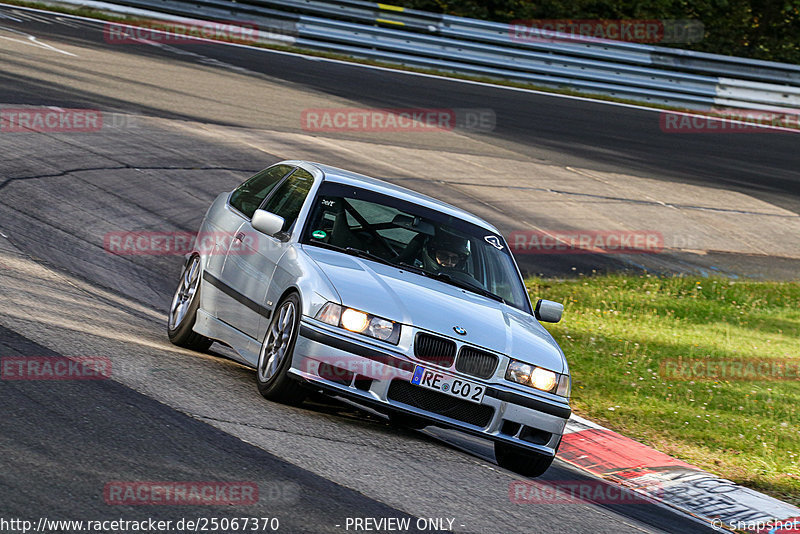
343 365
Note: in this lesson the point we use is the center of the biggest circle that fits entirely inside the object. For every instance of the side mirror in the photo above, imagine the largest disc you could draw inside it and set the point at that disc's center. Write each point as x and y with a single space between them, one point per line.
548 311
266 222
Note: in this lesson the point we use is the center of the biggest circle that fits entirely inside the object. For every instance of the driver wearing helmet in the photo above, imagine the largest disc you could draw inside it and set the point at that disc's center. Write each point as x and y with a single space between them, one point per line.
445 251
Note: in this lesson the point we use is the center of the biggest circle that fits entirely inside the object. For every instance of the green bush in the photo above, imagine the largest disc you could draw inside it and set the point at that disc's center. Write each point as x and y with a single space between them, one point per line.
758 29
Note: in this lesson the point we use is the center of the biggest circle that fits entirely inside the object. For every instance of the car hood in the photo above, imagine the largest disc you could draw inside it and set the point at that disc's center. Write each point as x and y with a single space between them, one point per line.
429 304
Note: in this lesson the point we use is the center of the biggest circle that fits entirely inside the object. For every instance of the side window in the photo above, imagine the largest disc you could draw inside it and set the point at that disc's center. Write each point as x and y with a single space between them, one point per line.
287 201
249 196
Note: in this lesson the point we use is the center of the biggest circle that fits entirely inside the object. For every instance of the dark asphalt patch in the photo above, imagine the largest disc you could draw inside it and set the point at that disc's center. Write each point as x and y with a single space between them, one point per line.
62 442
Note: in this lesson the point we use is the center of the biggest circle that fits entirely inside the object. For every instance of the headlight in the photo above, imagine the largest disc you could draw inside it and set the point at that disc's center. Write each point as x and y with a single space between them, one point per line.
538 377
354 320
543 379
381 328
360 322
519 372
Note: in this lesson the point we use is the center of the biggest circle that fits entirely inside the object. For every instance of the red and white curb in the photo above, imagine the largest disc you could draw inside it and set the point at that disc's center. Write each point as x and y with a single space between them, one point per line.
726 505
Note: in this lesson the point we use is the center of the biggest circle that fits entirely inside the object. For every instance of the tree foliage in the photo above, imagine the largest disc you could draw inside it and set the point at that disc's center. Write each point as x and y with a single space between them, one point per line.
758 29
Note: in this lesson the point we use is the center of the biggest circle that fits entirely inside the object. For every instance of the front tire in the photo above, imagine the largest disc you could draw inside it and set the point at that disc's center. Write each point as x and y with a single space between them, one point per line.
522 461
183 310
275 356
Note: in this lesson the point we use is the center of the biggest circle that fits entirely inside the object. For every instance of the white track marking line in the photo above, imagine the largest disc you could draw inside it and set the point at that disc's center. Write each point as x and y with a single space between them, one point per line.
439 77
33 41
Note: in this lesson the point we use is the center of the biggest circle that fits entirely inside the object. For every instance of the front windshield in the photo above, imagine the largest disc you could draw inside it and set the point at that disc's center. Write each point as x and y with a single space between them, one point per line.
411 236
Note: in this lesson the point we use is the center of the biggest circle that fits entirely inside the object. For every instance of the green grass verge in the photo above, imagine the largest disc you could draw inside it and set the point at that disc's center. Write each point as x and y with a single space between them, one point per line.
619 330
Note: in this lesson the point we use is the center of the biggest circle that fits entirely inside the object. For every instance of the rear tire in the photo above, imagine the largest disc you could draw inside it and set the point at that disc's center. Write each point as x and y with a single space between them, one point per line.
522 461
275 356
183 310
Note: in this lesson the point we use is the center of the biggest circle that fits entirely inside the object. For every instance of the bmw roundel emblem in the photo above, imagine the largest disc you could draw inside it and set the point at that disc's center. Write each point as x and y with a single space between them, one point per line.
460 331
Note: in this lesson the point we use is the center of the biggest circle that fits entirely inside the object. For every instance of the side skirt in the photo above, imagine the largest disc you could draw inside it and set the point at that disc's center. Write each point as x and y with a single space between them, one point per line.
246 347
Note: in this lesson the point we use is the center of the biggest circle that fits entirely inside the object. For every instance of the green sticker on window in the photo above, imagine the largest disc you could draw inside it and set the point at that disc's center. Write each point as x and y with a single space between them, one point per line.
318 234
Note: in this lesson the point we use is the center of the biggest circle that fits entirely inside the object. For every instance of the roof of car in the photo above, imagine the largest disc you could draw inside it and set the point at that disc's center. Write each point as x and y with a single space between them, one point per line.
335 174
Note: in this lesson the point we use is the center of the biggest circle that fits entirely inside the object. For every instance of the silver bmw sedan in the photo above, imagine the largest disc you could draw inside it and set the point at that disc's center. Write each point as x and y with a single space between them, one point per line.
324 279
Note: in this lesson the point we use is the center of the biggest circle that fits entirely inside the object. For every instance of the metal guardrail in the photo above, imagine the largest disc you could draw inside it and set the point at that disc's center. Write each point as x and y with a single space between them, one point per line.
498 33
416 38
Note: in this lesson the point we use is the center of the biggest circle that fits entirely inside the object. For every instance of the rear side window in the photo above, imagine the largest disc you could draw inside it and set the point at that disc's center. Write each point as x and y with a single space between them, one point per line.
249 196
287 201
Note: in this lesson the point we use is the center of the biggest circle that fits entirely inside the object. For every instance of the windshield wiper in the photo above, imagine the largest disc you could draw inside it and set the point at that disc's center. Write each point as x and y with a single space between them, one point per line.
367 255
446 278
353 252
463 284
410 267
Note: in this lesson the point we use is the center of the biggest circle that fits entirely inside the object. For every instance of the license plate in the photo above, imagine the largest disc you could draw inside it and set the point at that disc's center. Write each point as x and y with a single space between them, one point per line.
449 385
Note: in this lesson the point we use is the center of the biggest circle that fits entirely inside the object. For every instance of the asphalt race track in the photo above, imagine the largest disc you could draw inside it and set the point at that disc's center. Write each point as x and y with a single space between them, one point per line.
183 123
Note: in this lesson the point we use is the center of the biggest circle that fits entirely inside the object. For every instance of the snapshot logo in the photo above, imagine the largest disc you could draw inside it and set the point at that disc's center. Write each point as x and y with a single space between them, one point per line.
728 121
628 30
775 526
179 243
586 242
710 369
577 491
50 119
54 368
397 119
189 32
180 493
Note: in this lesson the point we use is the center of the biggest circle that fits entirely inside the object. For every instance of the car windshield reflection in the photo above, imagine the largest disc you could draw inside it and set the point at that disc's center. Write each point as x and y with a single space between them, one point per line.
388 230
